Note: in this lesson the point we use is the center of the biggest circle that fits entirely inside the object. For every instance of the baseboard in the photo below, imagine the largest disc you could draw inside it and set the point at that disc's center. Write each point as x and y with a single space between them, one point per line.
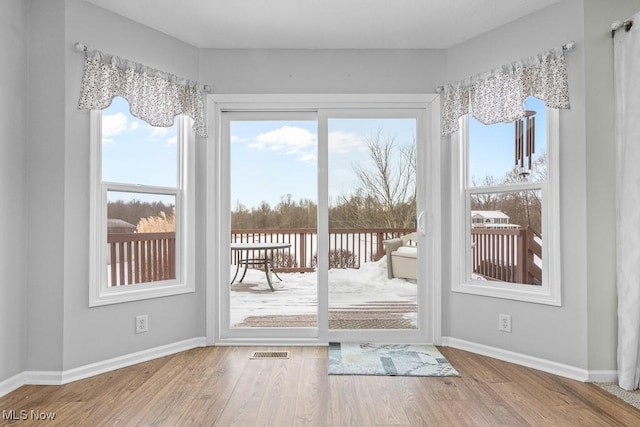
544 365
11 384
86 371
43 377
130 359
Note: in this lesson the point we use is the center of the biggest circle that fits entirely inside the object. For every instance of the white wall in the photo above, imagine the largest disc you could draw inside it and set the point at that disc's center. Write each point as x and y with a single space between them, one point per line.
13 114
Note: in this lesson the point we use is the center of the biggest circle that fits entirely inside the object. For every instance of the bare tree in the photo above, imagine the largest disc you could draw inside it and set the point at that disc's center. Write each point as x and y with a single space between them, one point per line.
523 207
386 191
485 201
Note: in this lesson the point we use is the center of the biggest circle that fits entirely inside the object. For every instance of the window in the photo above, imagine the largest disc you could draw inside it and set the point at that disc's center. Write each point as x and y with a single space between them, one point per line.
505 207
140 207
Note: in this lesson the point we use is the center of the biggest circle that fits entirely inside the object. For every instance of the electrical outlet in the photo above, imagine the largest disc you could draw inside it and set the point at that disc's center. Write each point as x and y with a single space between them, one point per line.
142 323
504 322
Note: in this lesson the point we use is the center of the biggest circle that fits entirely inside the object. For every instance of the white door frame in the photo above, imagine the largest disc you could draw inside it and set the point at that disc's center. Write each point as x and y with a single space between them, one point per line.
429 272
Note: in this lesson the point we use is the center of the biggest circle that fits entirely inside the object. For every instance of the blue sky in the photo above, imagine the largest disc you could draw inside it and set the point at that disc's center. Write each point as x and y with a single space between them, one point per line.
491 148
270 159
133 152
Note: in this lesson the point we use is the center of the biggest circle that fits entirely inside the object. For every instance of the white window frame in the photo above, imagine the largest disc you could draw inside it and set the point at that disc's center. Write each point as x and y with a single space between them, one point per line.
218 213
99 293
550 291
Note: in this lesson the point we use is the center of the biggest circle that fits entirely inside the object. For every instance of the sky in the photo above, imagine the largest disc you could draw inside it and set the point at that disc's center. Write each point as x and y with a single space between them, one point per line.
272 159
491 148
134 152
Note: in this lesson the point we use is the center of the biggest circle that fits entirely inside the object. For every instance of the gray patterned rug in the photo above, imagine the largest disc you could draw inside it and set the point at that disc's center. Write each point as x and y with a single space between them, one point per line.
388 359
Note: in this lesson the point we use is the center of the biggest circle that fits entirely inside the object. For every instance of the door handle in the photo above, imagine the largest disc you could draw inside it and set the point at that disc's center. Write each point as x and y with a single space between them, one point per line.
422 229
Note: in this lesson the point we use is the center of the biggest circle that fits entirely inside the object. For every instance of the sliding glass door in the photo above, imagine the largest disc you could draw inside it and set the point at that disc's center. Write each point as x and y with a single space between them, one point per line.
320 220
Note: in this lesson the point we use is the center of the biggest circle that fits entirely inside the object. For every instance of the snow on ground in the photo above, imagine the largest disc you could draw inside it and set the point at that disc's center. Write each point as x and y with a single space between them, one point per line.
297 293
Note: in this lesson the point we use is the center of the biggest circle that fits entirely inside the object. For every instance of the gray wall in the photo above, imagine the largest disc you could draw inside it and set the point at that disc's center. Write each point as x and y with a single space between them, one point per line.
13 230
65 333
601 213
45 171
322 71
466 317
45 176
582 332
552 333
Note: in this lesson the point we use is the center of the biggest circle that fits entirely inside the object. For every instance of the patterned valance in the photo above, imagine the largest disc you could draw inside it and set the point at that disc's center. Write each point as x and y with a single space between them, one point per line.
498 96
154 96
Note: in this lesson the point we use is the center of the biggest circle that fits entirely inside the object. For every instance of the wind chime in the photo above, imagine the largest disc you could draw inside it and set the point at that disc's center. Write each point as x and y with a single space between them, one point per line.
525 142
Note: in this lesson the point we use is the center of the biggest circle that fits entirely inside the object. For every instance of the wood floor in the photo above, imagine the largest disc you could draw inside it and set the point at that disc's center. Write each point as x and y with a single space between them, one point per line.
220 386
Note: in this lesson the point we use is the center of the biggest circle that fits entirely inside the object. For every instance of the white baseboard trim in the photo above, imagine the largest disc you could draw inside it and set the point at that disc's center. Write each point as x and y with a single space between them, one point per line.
549 366
43 377
11 384
130 359
86 371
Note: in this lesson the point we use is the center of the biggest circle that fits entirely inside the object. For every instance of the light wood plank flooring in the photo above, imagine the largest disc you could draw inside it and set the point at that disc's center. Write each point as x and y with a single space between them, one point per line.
220 386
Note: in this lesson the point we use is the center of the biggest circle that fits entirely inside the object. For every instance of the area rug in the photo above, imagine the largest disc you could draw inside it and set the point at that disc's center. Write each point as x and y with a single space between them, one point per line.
631 397
388 359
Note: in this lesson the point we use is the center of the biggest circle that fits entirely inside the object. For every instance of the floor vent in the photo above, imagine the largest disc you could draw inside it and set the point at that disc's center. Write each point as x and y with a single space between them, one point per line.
270 355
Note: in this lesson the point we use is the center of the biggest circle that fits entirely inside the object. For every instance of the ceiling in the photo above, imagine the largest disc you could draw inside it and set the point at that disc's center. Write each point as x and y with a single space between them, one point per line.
323 24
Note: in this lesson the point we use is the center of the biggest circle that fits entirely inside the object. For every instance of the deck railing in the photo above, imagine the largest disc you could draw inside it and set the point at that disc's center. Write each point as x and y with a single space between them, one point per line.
140 257
507 255
348 247
497 254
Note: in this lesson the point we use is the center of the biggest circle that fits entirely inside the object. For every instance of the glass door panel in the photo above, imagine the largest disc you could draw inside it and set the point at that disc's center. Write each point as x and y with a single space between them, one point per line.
372 262
273 215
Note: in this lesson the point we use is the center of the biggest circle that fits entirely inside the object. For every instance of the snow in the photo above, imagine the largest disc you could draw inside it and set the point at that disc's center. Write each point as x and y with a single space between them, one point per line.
297 293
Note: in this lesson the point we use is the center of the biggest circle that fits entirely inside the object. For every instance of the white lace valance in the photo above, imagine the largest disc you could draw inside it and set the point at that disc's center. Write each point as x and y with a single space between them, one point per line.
154 96
498 96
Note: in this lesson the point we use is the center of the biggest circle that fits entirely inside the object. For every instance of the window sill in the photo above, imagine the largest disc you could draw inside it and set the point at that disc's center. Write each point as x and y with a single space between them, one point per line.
531 293
140 292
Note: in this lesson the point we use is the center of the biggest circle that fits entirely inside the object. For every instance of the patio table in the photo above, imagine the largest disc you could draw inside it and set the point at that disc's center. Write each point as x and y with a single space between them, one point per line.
265 258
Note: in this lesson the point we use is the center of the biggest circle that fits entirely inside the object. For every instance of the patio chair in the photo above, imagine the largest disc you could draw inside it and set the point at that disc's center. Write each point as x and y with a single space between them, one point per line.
402 257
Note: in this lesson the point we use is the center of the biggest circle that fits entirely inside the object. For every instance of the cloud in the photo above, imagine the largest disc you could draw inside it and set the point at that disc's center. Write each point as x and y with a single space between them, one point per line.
310 158
292 139
134 125
303 143
172 141
113 125
344 142
159 133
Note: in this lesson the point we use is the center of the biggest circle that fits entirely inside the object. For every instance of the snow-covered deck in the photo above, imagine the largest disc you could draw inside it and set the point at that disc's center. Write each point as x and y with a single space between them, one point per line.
363 290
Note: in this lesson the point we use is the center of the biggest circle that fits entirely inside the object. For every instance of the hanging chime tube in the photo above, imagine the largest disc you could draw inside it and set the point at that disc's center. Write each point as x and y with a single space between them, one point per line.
533 134
515 141
521 137
529 137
